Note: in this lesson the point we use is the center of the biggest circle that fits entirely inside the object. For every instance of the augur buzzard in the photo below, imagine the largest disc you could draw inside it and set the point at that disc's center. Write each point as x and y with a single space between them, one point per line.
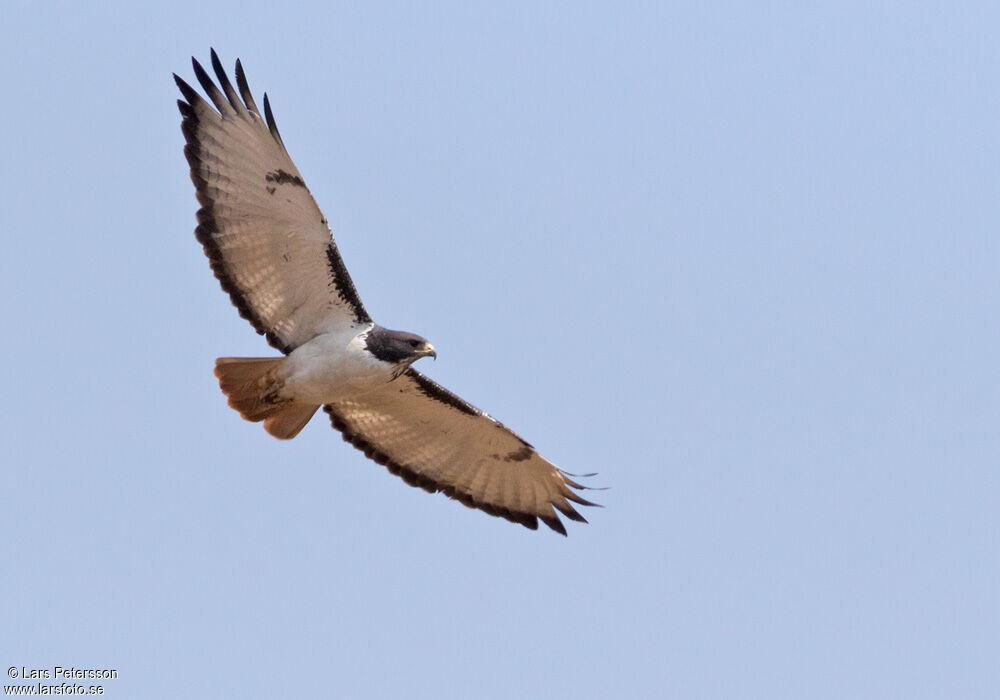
271 248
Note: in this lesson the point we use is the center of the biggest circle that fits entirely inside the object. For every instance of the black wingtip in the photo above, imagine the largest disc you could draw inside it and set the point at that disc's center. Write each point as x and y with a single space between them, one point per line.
570 512
198 70
189 93
576 498
554 523
206 83
227 86
220 101
577 485
244 87
217 65
269 116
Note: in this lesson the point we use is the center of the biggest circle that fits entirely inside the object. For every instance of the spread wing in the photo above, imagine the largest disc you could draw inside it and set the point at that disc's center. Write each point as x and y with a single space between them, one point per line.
268 242
437 441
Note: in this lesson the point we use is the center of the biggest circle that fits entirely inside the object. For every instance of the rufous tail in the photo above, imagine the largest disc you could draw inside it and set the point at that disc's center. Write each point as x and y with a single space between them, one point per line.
253 387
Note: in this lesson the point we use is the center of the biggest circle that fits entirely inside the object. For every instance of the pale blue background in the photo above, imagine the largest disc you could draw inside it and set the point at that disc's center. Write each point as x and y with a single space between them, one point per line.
740 259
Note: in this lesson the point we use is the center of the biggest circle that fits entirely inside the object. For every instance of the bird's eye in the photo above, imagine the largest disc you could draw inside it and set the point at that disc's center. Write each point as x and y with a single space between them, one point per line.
414 343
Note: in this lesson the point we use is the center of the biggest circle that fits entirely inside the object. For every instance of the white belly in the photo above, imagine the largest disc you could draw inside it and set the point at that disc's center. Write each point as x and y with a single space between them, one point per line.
332 367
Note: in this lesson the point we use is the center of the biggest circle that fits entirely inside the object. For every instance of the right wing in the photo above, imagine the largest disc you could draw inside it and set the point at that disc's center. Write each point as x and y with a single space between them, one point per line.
268 242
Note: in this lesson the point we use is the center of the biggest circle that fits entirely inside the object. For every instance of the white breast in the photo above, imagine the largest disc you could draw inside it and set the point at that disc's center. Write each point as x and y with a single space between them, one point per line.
332 367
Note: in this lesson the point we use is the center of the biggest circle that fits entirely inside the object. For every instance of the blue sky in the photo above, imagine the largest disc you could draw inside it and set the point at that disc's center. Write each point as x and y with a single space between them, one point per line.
738 258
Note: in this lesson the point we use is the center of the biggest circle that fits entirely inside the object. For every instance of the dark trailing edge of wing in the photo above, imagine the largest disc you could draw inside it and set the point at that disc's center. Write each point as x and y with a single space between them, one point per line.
413 478
228 103
207 224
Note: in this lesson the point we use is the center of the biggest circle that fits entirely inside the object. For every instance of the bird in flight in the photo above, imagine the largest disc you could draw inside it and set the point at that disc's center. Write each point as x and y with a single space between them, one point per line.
271 249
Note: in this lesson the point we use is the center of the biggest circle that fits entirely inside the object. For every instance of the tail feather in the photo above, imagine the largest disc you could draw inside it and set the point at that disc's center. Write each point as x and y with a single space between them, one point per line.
286 423
253 386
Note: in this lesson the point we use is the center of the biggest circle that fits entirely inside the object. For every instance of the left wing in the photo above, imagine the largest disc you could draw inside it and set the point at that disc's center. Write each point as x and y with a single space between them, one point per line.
268 242
435 440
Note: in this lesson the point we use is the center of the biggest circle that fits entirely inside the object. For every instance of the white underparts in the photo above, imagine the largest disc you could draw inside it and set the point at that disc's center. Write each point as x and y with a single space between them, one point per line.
332 367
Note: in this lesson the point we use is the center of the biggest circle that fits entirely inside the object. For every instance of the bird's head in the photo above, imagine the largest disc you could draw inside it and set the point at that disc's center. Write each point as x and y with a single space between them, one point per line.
398 347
